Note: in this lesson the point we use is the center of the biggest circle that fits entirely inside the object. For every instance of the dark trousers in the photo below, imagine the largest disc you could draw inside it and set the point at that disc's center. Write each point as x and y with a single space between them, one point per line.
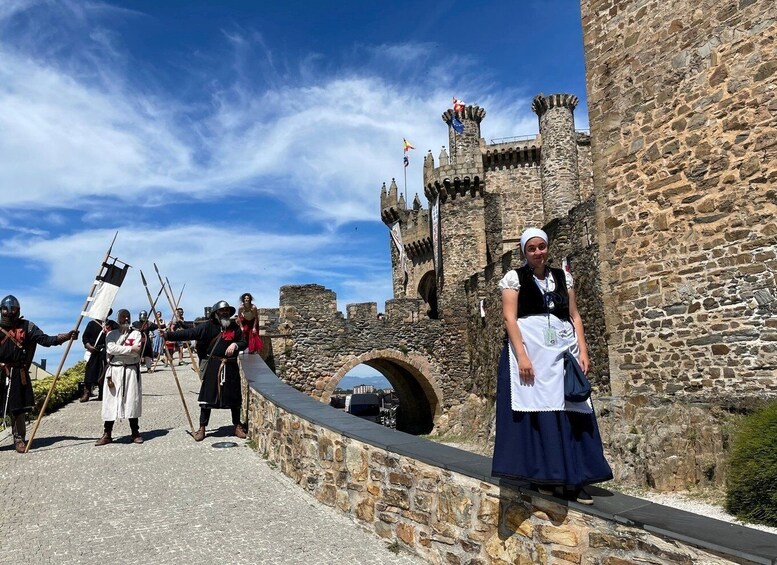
205 415
133 422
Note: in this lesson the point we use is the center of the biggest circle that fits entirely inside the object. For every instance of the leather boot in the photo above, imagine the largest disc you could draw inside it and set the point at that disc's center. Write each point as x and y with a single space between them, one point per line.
199 435
19 445
136 437
85 394
105 440
240 431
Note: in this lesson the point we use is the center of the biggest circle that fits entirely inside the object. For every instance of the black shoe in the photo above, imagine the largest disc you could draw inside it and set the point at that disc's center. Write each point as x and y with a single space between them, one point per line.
583 497
546 490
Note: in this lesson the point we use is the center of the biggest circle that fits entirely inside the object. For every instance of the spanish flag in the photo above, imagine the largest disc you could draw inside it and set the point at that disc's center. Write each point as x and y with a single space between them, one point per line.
406 145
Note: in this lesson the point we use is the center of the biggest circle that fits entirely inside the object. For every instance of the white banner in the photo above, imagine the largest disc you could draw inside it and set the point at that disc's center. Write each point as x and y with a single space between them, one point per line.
396 235
105 290
436 234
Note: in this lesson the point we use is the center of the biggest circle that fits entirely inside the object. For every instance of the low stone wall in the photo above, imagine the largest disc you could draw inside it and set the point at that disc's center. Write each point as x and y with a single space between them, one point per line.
442 504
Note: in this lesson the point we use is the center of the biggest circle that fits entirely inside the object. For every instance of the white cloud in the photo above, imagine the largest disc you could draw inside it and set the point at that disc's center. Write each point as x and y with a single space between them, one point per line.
67 135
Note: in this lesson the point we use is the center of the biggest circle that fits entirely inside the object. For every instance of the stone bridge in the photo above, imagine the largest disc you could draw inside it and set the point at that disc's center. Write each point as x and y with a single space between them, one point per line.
313 346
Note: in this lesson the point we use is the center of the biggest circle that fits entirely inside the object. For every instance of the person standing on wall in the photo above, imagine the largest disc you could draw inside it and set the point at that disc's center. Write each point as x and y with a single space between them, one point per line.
218 343
541 436
248 315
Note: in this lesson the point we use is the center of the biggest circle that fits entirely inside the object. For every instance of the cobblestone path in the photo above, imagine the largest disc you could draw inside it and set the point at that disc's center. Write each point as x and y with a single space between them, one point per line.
169 500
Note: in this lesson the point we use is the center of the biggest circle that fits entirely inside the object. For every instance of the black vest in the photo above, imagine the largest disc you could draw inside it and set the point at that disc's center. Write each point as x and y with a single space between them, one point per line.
531 301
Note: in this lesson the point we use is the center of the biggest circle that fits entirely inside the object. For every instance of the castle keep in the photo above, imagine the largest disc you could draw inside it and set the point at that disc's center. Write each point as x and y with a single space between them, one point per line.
666 213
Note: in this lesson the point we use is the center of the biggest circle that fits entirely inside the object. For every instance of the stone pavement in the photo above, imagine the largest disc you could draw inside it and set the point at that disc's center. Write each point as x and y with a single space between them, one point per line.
169 500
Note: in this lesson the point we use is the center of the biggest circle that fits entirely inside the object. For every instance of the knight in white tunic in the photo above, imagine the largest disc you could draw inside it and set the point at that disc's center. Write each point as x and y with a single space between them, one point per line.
122 391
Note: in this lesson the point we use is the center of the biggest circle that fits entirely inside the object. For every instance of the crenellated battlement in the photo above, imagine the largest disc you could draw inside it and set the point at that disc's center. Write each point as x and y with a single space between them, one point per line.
509 155
454 188
362 311
542 103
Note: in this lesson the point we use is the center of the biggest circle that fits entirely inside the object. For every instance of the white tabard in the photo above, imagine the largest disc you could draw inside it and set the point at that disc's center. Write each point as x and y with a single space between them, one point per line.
124 399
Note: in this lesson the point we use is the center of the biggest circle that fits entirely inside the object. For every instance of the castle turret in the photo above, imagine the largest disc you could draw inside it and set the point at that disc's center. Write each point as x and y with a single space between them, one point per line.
560 180
464 146
458 184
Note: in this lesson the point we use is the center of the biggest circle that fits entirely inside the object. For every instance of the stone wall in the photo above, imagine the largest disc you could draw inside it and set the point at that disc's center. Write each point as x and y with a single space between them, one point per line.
448 517
683 119
513 182
315 346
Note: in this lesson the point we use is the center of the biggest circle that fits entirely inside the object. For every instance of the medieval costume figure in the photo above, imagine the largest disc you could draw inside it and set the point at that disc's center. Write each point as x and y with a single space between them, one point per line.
18 340
94 343
541 436
122 390
218 342
248 314
145 327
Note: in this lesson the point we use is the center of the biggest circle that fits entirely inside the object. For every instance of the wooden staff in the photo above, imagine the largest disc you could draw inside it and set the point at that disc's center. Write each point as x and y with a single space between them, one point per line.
195 366
69 344
170 357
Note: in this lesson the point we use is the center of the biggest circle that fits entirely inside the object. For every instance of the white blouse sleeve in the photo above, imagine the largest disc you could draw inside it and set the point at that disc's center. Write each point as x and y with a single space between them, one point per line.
510 280
570 280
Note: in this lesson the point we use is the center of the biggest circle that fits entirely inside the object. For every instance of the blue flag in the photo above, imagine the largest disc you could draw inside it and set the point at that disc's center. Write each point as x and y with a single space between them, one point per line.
457 125
407 161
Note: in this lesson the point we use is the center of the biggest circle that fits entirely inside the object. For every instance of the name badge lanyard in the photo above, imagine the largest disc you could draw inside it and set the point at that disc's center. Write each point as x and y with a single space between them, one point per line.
550 333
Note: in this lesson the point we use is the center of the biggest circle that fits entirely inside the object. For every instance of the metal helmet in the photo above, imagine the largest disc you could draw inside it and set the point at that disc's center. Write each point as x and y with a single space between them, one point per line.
143 316
9 310
220 305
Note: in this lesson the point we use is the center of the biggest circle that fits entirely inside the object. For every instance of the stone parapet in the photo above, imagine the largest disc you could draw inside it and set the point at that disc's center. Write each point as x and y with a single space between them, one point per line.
362 311
406 310
442 504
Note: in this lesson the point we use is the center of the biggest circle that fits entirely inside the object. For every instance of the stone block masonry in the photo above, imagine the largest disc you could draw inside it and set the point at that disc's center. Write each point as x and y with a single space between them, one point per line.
441 503
683 112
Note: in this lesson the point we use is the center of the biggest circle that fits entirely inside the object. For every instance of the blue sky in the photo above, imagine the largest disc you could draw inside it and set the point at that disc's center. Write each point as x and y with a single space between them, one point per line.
242 145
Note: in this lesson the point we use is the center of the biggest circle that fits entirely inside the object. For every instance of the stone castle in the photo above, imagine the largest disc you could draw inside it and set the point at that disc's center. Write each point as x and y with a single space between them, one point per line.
666 214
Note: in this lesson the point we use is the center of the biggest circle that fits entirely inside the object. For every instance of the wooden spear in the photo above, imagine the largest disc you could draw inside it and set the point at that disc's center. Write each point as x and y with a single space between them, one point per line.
170 357
195 366
69 344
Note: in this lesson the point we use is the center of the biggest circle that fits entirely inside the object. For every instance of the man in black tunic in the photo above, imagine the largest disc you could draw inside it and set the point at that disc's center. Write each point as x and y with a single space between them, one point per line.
18 340
94 343
218 342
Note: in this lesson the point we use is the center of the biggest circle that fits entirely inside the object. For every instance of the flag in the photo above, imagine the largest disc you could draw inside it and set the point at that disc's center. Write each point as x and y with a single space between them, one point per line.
406 160
457 125
458 105
106 287
396 235
406 145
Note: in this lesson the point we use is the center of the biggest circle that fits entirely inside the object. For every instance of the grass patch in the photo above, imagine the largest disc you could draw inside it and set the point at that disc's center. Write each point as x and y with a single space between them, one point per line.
394 547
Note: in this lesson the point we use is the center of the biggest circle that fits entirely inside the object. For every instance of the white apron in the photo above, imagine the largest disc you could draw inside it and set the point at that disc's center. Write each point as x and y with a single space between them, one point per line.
547 392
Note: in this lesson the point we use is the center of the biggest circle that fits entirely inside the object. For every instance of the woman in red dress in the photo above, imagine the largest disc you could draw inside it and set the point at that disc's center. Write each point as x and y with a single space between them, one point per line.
248 315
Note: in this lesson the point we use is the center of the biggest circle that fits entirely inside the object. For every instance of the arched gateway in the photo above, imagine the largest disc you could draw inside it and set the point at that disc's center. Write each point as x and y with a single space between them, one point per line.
412 378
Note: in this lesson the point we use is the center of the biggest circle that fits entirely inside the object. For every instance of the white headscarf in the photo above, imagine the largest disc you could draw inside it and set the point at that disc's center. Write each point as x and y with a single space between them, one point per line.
529 234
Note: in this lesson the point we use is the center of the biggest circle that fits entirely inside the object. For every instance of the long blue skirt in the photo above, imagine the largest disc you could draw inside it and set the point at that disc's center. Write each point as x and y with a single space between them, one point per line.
555 448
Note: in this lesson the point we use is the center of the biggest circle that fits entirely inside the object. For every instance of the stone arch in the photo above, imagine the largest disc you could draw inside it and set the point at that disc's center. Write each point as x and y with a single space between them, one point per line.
427 290
414 379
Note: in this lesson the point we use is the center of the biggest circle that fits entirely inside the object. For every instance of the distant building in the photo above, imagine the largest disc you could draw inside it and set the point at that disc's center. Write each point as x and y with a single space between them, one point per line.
363 389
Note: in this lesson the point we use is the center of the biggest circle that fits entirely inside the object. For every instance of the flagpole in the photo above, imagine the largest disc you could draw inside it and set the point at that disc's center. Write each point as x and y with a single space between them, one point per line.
405 168
69 344
169 356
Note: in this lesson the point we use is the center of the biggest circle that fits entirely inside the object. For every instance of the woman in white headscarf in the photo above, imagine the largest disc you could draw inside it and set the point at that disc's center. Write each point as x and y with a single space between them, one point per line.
540 436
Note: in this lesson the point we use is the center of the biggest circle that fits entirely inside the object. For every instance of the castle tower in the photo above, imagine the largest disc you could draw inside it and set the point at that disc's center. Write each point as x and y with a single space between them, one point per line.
560 180
465 146
458 182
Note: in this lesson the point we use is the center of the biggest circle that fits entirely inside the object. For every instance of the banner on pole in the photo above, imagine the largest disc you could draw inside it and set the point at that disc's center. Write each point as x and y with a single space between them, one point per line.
105 290
436 235
396 235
